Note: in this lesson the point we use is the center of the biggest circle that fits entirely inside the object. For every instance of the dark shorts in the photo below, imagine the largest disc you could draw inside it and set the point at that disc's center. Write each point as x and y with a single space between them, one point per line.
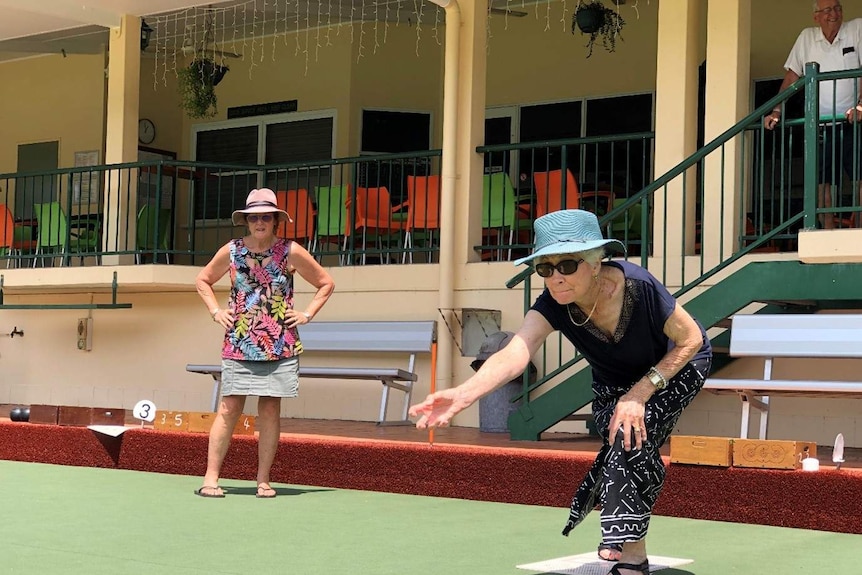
840 152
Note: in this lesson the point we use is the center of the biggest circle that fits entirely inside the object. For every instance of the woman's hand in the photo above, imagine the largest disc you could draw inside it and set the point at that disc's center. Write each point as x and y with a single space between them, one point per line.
629 415
439 408
293 318
223 317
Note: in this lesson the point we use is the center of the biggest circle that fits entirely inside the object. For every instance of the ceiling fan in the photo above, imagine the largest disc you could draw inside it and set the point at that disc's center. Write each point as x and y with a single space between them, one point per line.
506 12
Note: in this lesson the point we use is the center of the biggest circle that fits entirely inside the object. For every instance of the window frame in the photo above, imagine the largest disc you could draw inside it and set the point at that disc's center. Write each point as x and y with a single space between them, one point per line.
261 122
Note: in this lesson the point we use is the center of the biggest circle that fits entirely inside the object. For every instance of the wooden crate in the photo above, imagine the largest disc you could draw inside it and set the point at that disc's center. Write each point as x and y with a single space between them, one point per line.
701 450
84 416
201 422
771 453
44 414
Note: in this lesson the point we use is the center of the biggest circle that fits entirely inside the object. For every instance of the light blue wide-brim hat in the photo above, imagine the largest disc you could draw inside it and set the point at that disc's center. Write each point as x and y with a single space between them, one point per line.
568 232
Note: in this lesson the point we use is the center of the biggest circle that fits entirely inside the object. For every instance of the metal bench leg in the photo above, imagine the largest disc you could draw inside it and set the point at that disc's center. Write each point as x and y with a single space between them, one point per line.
746 410
384 403
216 390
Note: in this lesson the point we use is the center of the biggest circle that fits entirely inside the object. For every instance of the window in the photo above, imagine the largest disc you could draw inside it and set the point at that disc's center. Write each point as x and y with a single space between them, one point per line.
623 166
389 132
254 142
393 132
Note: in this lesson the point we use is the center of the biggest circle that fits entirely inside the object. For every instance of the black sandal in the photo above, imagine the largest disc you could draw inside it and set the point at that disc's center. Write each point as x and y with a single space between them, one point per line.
643 568
609 547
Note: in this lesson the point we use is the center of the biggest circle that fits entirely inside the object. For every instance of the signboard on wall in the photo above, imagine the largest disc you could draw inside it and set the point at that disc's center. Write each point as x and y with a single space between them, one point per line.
262 109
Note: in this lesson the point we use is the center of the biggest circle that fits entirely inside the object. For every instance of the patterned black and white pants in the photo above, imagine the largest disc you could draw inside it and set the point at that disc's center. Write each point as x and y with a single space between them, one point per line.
626 484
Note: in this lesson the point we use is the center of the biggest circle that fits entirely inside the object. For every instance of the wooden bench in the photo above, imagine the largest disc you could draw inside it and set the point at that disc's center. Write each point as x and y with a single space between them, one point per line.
378 337
819 336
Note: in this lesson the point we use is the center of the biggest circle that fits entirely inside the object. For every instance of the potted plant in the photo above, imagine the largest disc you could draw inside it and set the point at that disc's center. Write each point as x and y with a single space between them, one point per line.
196 86
594 18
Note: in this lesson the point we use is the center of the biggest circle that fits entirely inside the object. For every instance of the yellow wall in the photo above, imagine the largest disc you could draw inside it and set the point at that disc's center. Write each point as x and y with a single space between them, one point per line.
528 64
49 98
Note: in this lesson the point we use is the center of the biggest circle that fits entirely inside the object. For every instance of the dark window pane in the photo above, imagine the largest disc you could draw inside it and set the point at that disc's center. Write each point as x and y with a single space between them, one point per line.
299 141
395 132
228 146
550 122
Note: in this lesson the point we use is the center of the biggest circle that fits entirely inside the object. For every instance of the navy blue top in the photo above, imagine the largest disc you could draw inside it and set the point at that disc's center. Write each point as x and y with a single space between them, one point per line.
639 342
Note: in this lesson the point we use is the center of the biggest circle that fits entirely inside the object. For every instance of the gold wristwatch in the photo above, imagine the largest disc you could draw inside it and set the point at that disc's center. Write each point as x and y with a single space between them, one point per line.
656 378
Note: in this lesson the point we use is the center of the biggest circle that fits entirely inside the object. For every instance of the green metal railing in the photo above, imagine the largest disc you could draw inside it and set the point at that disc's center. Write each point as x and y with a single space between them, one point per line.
751 171
180 212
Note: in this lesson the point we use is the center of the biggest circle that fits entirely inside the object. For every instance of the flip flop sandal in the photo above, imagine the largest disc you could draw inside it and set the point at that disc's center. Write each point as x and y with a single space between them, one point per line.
643 568
262 493
213 495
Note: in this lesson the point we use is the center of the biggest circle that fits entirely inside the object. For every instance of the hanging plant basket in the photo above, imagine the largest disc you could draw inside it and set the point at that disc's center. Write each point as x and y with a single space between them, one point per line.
197 85
592 17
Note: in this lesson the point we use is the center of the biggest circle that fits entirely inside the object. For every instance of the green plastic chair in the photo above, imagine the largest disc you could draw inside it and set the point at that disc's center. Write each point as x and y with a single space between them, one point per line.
148 237
500 209
332 225
627 232
53 232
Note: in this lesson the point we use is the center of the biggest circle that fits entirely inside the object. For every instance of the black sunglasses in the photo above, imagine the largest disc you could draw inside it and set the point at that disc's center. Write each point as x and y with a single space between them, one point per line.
565 267
253 218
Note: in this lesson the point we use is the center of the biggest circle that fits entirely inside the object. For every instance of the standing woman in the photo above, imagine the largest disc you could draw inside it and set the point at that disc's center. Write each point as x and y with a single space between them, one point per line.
261 344
649 359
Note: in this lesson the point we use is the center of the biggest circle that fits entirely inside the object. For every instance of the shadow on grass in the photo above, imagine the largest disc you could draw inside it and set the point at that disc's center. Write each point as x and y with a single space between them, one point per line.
279 491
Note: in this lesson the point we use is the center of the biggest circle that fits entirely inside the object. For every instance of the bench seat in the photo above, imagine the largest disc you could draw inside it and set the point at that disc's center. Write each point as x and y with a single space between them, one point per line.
820 336
377 337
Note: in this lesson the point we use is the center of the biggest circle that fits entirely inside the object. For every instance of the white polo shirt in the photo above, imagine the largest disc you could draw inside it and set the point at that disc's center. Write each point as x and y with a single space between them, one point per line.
842 54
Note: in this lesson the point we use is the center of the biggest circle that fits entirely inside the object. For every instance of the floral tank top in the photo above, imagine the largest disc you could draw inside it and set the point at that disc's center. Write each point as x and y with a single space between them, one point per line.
261 293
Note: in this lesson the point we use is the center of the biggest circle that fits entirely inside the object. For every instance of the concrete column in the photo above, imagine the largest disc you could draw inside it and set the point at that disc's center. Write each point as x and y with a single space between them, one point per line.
472 73
676 123
728 85
462 200
121 138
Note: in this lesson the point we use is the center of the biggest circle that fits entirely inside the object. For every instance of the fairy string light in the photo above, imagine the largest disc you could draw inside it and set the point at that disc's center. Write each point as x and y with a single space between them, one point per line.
329 23
361 52
419 8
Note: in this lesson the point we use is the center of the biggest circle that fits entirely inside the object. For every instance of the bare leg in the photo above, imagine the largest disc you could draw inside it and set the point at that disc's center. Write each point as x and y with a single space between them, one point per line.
229 411
824 200
269 430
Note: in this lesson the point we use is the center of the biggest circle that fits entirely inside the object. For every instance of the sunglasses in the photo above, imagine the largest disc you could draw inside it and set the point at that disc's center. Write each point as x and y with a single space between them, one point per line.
565 267
253 218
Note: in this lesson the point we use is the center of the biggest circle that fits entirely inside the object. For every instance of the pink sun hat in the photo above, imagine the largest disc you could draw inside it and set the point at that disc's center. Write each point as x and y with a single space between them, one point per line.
259 201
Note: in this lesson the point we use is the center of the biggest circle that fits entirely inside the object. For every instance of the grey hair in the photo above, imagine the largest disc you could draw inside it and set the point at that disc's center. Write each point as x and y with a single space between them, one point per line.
594 255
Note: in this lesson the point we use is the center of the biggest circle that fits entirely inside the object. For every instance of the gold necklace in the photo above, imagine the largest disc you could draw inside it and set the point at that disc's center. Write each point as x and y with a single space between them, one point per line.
595 303
569 309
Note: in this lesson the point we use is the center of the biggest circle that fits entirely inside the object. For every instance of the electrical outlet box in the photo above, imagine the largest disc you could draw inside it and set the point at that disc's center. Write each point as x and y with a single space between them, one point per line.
85 333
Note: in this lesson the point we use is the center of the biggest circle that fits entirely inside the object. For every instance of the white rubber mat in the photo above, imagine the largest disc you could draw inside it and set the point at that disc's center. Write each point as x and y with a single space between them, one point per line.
590 564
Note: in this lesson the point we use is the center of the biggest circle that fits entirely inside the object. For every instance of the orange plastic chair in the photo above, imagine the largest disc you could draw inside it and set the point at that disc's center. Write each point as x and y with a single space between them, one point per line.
7 234
549 192
374 217
300 225
423 211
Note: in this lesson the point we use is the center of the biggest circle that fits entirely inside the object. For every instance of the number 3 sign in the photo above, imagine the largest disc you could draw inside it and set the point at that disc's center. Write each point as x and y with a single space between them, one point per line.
145 410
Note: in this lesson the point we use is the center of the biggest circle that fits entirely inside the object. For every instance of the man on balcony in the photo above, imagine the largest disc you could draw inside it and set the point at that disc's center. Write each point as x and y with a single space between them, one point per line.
834 45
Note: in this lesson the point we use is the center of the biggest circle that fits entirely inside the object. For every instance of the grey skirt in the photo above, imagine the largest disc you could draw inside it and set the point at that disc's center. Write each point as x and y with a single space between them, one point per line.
260 378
